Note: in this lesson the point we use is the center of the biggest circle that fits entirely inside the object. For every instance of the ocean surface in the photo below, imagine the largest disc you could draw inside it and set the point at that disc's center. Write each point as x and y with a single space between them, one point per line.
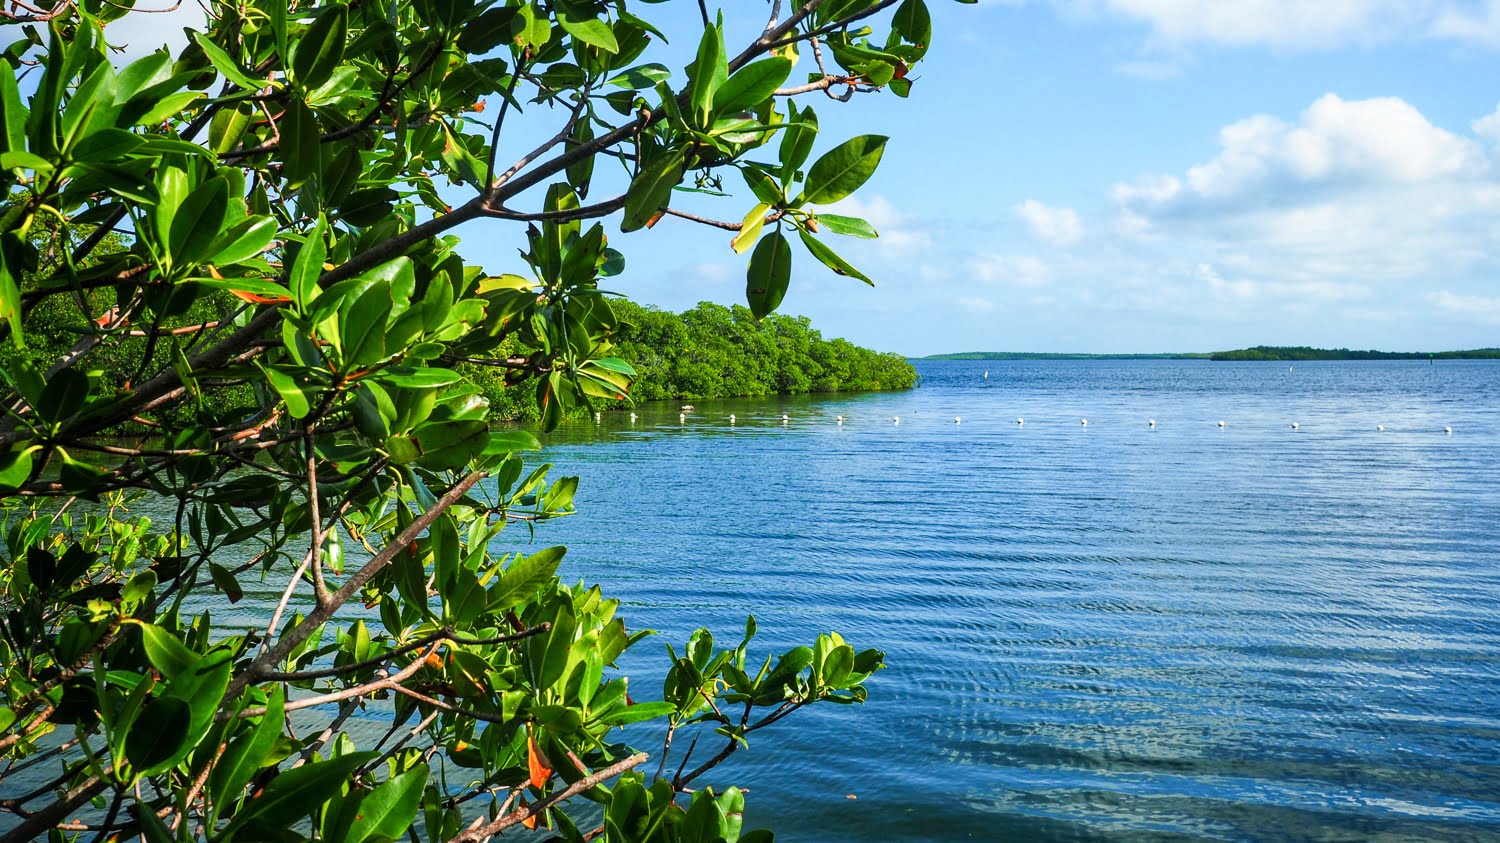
1104 632
1095 632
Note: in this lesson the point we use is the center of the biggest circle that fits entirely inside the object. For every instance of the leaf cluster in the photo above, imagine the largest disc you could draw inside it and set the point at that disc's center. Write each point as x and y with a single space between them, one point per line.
258 230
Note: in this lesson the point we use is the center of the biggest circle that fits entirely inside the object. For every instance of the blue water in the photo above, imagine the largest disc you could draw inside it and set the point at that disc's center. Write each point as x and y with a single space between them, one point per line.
1101 632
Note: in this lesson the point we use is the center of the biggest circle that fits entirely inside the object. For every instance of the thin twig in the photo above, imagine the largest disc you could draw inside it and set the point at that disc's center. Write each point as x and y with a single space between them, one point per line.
520 815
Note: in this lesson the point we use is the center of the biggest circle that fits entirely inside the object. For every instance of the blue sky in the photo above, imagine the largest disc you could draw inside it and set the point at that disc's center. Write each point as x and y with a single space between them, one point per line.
1162 175
1146 176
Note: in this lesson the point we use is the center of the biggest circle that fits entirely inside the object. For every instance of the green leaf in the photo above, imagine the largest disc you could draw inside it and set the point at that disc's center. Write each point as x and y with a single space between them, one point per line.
751 85
165 652
362 327
158 733
642 76
521 579
387 811
168 106
225 582
913 23
226 66
308 266
321 47
154 830
247 753
830 259
584 24
64 396
750 228
451 444
242 241
195 225
15 468
418 378
651 190
637 713
797 141
298 403
106 145
300 141
848 226
296 793
510 441
710 70
12 115
769 274
843 169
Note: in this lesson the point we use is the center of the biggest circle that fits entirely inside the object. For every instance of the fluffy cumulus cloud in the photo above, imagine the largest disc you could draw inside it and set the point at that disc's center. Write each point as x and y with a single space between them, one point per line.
1353 189
1281 23
1059 226
1019 271
1352 212
1296 24
1336 144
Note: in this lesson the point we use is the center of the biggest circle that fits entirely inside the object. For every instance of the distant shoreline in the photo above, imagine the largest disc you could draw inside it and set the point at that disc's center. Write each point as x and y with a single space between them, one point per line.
1028 355
1257 353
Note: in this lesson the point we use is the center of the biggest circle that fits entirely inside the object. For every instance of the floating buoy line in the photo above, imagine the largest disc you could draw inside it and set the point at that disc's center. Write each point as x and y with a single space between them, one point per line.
1151 423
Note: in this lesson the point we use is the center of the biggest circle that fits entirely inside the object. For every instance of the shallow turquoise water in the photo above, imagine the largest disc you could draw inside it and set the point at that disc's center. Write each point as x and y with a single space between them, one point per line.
1095 632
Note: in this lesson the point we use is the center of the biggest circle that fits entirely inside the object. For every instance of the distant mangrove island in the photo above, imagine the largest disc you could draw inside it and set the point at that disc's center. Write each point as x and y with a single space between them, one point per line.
712 351
1302 352
1031 355
1259 352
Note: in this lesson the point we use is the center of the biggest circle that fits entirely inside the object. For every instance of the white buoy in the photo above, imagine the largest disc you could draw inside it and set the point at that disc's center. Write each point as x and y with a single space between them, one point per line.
731 418
840 419
1448 430
785 418
598 416
1151 423
1221 423
682 417
986 375
632 416
895 419
1380 427
957 420
1294 425
1020 421
1084 422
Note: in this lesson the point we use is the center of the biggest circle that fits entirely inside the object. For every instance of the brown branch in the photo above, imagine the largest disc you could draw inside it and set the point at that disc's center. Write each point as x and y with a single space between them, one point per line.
521 814
821 85
174 332
48 817
447 633
385 683
324 612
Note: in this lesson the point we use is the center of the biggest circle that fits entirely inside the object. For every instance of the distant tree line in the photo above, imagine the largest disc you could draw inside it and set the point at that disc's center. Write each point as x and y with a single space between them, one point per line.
1302 352
714 351
1041 355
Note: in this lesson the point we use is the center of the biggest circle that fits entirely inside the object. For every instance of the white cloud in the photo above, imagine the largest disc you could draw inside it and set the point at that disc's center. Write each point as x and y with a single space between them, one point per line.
1291 24
1336 144
1059 226
1277 23
976 305
1022 271
1476 307
1479 26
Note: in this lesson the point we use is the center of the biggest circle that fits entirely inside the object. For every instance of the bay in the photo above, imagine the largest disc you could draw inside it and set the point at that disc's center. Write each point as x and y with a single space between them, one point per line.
1100 632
